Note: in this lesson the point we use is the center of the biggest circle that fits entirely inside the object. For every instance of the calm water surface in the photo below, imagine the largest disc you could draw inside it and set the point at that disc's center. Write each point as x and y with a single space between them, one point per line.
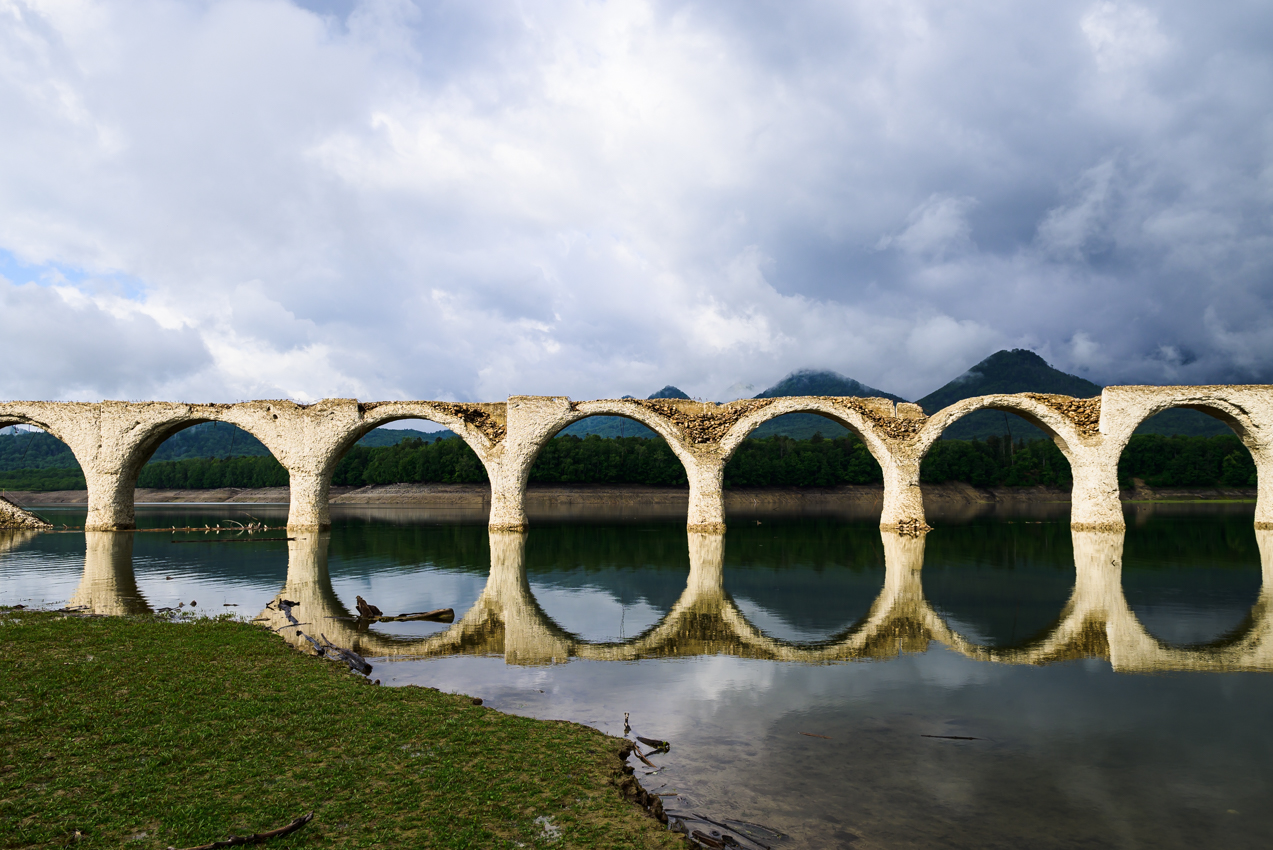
1000 683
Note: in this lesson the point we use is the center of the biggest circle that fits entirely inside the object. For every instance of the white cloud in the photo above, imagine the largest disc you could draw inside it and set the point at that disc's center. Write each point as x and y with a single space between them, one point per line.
60 345
595 198
936 229
1122 35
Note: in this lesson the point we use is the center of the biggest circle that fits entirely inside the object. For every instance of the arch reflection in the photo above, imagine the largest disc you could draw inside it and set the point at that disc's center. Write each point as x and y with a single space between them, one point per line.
506 619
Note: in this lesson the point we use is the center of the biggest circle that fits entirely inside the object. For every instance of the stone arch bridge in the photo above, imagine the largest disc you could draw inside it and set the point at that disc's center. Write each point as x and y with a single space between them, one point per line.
112 440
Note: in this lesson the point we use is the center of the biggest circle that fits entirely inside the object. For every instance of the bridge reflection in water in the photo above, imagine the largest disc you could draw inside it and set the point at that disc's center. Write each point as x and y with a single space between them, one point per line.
506 620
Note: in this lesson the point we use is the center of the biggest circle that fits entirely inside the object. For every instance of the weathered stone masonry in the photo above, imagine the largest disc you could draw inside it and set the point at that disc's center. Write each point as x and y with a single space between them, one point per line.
112 441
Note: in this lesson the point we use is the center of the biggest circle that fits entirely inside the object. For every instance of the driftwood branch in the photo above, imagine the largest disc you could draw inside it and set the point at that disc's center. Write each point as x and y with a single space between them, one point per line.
256 838
286 606
355 661
326 649
440 615
659 746
636 751
368 613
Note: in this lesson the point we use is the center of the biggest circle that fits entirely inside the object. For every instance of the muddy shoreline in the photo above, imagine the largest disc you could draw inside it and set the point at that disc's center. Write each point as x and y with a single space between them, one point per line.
477 496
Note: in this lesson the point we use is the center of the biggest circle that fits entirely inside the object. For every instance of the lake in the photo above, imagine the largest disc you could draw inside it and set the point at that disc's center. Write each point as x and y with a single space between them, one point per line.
999 682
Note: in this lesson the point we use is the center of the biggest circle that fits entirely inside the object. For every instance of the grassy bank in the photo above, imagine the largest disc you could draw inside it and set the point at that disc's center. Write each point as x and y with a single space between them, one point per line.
142 733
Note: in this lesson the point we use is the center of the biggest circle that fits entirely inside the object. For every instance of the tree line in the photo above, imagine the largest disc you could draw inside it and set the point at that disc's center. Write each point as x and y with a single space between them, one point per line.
777 461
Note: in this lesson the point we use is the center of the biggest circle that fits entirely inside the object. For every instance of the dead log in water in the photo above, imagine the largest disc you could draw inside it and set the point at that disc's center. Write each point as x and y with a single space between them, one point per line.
439 615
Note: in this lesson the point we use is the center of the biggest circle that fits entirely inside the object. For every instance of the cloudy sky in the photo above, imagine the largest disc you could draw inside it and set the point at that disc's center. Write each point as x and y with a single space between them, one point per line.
457 200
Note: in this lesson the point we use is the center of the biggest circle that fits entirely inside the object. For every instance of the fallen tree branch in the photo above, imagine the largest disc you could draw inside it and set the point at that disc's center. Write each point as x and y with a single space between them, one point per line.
256 838
326 649
659 746
440 615
636 751
237 540
355 661
286 606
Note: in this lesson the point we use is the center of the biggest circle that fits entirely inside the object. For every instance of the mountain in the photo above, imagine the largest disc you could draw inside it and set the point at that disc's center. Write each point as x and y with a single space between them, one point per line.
669 392
1022 371
802 426
1016 371
823 382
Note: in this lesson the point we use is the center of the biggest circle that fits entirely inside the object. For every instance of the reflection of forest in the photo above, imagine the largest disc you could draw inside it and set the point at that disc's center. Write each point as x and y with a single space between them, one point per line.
1094 621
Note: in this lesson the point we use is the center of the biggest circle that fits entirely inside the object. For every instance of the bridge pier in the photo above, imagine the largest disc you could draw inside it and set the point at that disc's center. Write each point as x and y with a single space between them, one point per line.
1094 500
1264 489
12 516
508 500
706 514
110 501
308 506
903 499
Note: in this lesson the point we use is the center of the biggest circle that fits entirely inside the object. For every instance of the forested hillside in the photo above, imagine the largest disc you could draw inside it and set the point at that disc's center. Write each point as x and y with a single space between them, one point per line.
38 450
777 461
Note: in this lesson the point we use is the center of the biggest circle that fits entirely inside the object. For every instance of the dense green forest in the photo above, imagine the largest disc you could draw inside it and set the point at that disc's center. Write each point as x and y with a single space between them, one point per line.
775 461
38 450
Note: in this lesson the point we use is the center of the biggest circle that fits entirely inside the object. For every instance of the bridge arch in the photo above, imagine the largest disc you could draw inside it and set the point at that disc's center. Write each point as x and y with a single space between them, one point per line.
1224 404
16 447
1237 420
1247 411
9 417
376 415
1043 416
117 509
854 414
630 409
543 418
1072 424
383 413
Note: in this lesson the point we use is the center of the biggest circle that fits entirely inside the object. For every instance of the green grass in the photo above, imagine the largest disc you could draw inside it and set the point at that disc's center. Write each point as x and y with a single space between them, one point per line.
186 733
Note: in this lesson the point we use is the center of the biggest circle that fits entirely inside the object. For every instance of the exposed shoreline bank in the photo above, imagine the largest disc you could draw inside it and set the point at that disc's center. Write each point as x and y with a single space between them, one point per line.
477 496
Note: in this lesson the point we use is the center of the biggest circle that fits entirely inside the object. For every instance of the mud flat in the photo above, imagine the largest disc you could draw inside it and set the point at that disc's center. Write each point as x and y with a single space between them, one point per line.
943 502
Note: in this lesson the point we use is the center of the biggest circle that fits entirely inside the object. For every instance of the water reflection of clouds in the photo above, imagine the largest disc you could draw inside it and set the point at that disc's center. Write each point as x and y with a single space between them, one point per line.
777 626
594 614
1185 624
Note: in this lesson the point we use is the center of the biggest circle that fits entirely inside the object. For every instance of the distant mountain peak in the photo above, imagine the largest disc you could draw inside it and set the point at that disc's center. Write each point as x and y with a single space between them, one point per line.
1014 358
823 382
669 392
1015 371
